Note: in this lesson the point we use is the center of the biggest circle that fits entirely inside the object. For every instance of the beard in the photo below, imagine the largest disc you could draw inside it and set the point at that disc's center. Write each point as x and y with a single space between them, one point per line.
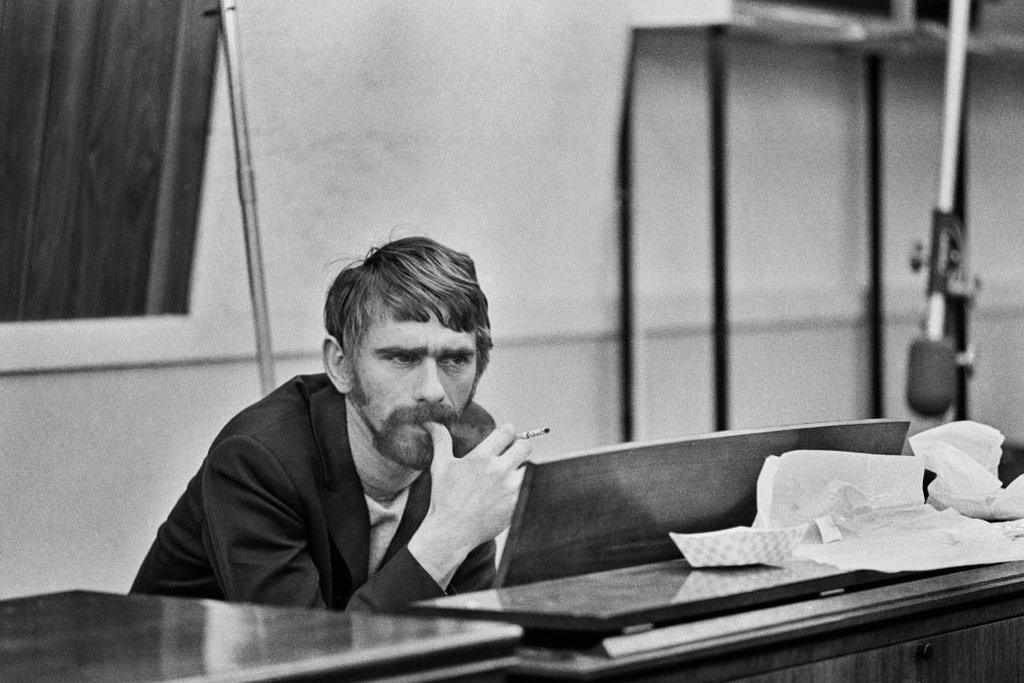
403 438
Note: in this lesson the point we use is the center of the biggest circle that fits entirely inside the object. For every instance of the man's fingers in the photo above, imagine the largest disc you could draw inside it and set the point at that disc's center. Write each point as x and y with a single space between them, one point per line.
517 477
442 444
496 441
517 453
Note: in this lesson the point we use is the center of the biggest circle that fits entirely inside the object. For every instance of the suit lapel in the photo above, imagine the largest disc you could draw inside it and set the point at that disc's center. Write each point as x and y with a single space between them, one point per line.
348 521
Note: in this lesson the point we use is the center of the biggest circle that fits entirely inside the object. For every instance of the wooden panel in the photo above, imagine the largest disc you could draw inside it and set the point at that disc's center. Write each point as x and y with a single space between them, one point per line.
56 238
614 508
991 652
184 157
117 190
26 39
93 636
839 633
103 155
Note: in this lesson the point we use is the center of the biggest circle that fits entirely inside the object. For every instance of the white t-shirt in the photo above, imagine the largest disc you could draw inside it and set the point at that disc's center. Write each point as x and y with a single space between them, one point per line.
384 519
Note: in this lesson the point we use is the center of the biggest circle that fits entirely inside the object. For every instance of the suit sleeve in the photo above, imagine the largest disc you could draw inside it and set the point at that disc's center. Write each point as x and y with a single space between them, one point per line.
402 580
477 572
254 534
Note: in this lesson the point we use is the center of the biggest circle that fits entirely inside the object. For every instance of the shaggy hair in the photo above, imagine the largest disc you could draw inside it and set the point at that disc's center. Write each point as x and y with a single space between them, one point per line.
409 279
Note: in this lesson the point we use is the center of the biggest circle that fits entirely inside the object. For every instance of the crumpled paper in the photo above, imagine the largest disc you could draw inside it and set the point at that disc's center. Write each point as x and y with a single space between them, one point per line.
867 511
983 443
799 486
739 545
911 537
1013 529
965 458
874 506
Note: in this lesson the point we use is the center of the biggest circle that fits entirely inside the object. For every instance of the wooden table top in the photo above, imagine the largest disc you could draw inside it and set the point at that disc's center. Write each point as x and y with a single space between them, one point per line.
725 615
98 636
609 601
839 623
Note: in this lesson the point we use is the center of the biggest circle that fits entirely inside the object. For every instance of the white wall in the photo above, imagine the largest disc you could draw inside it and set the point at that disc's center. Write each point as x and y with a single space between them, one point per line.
492 126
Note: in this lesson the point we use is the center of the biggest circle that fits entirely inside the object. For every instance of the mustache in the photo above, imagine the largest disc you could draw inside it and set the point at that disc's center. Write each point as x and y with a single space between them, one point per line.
418 414
467 428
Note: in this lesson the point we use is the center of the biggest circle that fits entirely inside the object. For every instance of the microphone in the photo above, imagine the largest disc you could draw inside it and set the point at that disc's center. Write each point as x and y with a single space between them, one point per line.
931 376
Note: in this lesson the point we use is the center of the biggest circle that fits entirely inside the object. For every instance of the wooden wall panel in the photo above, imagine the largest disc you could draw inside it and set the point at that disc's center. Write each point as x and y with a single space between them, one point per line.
118 161
181 182
56 239
26 40
124 146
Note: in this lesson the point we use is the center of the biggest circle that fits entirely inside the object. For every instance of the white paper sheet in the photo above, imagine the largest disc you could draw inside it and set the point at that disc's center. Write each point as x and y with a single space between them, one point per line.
866 511
876 504
917 539
979 441
965 459
800 486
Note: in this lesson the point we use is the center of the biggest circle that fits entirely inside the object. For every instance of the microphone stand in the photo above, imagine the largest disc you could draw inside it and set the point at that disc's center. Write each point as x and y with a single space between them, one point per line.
933 360
961 287
247 196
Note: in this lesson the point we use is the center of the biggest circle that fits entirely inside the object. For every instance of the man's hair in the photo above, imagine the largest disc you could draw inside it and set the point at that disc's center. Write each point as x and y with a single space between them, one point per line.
409 279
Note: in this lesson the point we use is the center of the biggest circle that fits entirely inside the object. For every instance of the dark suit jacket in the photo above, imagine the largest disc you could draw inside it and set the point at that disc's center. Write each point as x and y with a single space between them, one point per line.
276 515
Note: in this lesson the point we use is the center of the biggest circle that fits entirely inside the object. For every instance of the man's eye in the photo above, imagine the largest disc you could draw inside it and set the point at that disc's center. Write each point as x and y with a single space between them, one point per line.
403 358
456 361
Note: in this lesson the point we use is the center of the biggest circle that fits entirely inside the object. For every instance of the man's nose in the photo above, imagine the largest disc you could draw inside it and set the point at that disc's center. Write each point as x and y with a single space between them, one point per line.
428 386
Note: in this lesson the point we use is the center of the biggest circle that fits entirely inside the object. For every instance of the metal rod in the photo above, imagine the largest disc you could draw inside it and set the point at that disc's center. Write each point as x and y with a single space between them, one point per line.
627 314
876 319
720 329
956 62
956 59
960 306
247 196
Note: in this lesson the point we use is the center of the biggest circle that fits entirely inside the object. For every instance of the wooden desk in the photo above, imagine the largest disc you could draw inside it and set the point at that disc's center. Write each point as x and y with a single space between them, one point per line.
97 636
959 625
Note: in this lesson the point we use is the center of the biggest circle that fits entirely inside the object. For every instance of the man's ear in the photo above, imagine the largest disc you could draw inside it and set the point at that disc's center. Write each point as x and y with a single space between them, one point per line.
337 365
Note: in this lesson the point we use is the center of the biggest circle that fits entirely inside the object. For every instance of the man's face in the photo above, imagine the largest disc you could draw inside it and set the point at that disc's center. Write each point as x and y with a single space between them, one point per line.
407 373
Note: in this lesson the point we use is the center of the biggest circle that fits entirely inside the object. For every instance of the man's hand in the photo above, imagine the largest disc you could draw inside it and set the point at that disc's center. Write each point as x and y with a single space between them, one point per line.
471 500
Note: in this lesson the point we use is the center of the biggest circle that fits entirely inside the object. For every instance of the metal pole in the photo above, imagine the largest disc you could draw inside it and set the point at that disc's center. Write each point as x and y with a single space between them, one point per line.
956 59
627 308
247 196
876 319
719 226
960 303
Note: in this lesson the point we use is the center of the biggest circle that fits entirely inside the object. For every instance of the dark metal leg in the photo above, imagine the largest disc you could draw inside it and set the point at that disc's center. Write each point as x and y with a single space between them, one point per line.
959 306
876 320
720 330
626 295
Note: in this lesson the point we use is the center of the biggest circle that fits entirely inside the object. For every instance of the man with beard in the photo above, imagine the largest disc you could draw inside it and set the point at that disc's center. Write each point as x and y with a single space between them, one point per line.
372 485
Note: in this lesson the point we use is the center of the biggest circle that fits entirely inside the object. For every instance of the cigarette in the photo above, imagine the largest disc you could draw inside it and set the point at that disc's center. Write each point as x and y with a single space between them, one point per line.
530 433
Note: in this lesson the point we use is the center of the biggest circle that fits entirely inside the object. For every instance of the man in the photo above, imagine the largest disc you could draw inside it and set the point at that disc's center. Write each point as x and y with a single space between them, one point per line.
343 489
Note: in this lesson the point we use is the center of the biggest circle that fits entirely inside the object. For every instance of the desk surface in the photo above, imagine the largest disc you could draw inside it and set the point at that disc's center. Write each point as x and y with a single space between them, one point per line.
776 637
98 636
610 601
751 638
